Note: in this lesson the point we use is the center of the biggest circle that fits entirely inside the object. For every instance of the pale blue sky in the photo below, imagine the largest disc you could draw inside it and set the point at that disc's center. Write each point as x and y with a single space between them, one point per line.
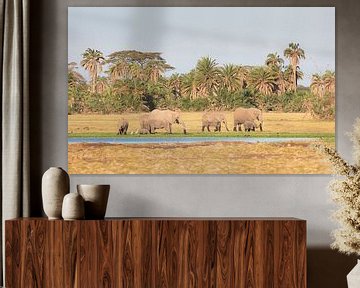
183 35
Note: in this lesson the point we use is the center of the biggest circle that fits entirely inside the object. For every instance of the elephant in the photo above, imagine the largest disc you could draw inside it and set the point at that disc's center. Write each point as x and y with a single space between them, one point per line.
144 122
143 131
215 119
123 126
159 119
249 126
241 115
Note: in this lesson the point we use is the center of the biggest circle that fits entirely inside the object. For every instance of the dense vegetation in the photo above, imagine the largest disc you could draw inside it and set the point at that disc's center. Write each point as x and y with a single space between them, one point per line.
140 81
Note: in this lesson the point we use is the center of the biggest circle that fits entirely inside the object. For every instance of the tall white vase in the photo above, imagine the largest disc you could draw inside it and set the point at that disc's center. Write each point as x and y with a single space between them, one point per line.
353 278
55 185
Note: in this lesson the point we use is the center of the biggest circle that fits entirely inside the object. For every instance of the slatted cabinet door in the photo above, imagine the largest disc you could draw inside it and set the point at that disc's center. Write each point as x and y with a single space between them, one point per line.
156 252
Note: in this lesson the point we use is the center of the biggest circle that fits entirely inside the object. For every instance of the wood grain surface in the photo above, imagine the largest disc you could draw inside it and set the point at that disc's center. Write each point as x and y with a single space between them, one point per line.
157 253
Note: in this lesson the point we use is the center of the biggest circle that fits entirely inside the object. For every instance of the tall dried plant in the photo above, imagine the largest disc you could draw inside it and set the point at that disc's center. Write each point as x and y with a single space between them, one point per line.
345 192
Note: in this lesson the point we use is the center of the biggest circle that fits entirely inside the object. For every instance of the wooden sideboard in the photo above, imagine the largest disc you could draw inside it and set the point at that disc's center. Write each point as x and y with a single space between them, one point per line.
156 252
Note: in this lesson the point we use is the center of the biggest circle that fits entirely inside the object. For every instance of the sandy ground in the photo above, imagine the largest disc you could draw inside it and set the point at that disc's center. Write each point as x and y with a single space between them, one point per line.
202 158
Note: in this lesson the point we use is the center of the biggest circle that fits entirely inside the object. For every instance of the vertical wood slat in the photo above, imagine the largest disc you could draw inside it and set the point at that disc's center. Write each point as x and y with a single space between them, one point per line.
56 256
156 253
33 253
70 249
301 254
12 252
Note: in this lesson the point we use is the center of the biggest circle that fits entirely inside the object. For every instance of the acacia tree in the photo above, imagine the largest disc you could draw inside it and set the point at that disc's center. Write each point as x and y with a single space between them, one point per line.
155 69
92 61
130 64
294 53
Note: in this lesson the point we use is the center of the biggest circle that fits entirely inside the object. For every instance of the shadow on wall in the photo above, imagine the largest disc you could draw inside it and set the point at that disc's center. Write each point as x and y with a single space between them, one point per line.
328 268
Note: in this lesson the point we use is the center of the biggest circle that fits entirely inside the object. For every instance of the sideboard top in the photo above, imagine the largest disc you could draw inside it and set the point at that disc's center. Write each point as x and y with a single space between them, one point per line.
175 219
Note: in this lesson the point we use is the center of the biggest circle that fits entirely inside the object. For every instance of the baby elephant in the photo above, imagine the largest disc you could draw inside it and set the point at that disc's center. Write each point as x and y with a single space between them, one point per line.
143 131
249 126
123 126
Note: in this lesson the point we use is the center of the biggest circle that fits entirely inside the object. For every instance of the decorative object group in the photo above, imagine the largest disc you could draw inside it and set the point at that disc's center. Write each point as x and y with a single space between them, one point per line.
89 202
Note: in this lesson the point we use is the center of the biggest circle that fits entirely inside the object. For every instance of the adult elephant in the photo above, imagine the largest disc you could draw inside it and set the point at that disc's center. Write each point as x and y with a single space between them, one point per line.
241 115
164 119
144 122
214 118
123 126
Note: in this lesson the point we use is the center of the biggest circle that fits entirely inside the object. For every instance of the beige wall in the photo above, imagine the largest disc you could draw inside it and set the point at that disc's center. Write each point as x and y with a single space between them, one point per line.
297 196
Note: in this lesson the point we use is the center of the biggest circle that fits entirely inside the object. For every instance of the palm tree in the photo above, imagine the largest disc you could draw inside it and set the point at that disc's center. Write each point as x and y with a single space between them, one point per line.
322 84
206 76
263 80
174 84
274 61
92 62
294 53
74 77
299 73
230 78
76 85
102 84
189 85
282 81
317 85
329 81
242 73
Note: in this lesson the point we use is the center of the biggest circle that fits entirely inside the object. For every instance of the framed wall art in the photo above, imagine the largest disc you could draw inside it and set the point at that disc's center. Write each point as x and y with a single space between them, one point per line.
200 90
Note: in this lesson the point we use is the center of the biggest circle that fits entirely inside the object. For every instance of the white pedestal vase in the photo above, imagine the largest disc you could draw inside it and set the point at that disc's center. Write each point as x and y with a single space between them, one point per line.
353 278
55 185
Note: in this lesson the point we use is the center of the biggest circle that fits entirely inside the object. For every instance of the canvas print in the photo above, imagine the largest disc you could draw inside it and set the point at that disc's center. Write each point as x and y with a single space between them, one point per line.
200 90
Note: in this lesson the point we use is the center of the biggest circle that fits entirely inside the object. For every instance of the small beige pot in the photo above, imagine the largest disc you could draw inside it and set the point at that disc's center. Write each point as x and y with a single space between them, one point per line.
96 198
73 207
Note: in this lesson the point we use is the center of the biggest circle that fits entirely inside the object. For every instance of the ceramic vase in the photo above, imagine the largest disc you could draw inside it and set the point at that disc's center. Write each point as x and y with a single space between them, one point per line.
55 185
96 198
73 207
353 278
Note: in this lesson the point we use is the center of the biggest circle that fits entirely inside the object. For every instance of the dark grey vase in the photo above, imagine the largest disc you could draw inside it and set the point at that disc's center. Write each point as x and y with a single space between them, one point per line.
96 198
